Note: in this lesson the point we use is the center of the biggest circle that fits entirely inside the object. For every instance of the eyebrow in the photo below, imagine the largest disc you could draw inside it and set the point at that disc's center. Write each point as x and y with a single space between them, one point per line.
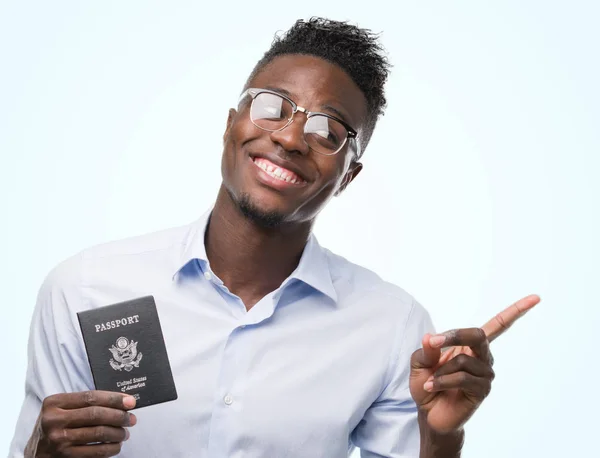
337 112
323 107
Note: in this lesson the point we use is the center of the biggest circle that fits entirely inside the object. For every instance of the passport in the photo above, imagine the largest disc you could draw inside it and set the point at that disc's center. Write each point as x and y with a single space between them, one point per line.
126 350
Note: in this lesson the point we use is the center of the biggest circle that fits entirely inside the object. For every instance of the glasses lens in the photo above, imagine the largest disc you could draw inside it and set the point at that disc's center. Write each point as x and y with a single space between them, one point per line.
270 111
324 134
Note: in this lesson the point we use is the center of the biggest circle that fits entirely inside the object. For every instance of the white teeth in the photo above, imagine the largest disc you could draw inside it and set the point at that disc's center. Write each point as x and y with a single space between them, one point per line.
277 172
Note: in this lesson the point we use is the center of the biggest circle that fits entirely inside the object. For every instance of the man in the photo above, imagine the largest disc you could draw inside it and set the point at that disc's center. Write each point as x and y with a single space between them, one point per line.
278 347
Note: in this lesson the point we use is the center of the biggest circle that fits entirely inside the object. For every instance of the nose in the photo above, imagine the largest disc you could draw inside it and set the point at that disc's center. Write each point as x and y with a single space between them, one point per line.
291 137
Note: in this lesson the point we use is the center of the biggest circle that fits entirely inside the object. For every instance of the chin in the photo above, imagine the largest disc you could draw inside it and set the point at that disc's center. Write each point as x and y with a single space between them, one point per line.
264 206
268 217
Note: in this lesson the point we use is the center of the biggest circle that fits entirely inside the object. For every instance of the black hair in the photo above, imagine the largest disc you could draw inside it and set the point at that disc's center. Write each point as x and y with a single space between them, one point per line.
355 50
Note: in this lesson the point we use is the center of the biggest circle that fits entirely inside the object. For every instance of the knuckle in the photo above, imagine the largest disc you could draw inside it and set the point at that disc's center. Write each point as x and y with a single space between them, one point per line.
502 322
462 360
452 336
49 420
48 401
492 375
480 334
416 357
45 424
93 414
462 378
99 433
487 387
89 397
56 436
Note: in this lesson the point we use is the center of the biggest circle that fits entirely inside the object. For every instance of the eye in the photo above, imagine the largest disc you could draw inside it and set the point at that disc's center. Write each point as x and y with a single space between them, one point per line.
327 135
271 107
273 112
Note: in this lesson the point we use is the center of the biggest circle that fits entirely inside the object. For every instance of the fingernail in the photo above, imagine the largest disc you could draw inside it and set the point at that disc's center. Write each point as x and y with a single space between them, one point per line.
428 386
437 341
132 419
129 402
430 379
126 434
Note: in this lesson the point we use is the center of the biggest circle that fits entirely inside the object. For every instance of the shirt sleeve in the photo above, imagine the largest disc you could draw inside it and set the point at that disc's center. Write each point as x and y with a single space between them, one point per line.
389 428
55 352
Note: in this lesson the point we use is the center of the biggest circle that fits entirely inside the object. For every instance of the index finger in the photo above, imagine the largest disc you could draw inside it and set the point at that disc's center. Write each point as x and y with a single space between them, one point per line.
505 319
91 398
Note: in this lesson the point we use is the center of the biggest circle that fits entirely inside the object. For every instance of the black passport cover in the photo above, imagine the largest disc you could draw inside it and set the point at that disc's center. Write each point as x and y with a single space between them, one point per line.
126 350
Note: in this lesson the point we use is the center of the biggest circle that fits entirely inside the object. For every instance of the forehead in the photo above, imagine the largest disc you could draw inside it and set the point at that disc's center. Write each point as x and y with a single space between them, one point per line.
314 83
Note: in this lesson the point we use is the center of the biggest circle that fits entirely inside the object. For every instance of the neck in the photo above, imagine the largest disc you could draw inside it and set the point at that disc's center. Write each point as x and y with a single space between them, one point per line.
251 260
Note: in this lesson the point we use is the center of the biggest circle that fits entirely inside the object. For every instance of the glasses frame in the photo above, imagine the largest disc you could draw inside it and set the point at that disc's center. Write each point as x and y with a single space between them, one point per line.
351 133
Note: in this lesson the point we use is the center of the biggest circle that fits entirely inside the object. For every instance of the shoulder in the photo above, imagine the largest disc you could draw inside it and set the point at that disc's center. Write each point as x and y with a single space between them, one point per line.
359 286
115 262
140 245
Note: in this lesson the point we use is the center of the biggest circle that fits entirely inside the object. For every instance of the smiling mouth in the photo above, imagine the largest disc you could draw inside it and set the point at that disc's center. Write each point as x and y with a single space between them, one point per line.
278 173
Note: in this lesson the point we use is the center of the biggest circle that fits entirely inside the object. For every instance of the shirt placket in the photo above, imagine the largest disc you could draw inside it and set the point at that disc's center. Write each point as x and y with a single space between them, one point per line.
228 400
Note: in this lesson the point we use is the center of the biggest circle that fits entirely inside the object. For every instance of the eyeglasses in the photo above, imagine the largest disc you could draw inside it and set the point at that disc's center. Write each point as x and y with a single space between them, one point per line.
323 133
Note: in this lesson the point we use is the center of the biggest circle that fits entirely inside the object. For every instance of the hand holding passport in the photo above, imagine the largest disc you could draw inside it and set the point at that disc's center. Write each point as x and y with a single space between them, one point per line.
130 366
90 423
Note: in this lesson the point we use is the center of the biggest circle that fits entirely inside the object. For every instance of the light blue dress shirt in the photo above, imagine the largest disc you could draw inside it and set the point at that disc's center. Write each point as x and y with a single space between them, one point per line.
316 368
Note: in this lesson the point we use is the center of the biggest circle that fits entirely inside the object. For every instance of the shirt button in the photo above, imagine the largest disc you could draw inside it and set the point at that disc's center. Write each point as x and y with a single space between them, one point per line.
207 275
228 400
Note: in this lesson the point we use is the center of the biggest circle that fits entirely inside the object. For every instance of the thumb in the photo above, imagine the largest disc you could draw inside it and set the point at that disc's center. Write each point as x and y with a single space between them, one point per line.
422 364
426 357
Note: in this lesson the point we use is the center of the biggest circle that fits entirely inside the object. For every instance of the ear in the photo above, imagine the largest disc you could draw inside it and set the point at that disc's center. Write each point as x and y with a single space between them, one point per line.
231 115
351 174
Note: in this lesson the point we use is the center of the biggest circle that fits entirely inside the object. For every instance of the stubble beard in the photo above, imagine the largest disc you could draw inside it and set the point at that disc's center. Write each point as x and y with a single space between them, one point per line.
263 218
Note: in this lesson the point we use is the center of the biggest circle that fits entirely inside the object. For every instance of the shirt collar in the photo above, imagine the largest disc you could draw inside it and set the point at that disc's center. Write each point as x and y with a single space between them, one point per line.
313 268
193 245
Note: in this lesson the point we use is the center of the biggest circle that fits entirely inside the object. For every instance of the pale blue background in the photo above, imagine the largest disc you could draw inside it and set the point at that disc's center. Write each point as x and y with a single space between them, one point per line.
480 185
